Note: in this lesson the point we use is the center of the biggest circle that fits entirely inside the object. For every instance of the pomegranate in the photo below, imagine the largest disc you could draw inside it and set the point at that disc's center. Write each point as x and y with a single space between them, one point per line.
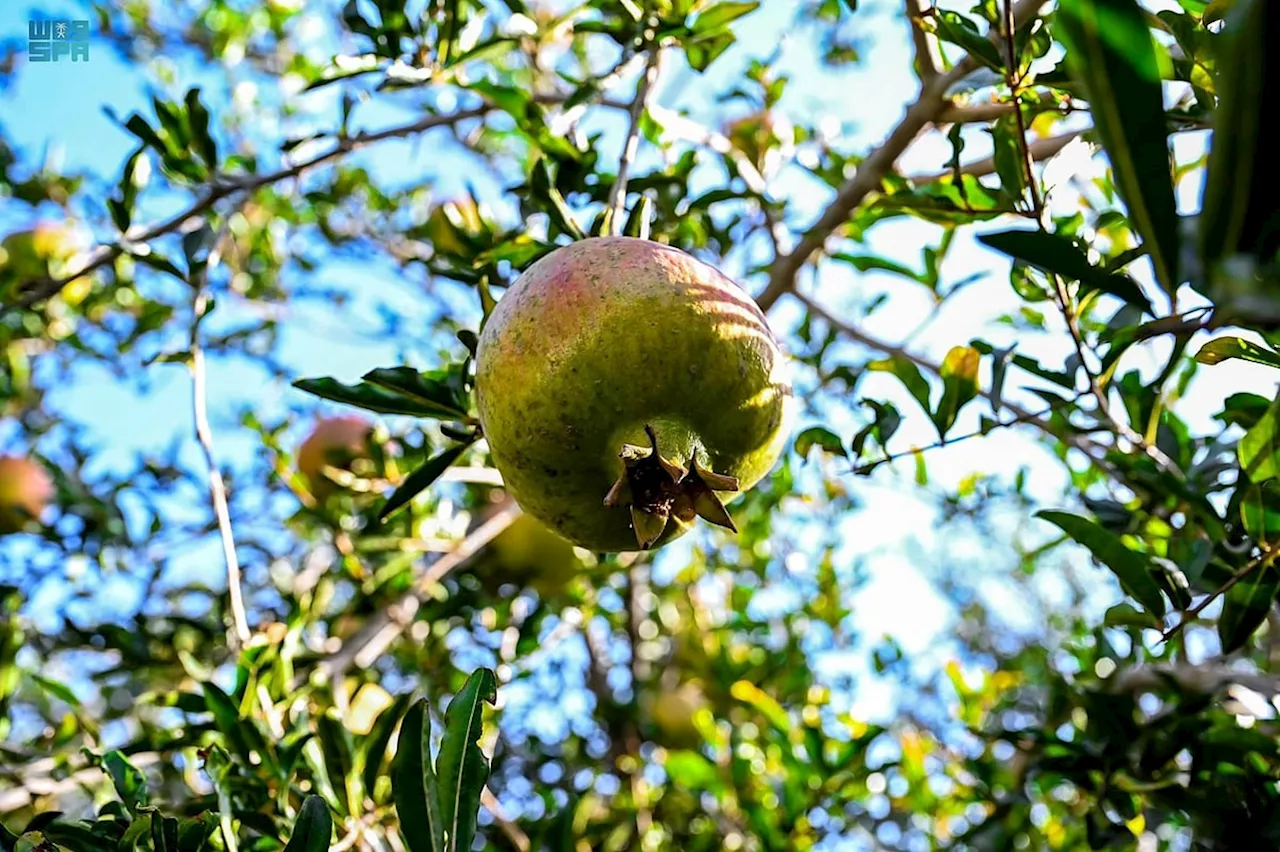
625 387
334 442
25 491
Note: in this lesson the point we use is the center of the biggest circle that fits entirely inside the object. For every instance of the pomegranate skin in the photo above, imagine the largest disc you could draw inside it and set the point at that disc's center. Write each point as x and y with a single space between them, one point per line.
602 338
25 491
335 442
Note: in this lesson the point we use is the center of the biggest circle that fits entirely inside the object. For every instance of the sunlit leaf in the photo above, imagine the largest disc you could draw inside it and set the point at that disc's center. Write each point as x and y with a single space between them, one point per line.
1259 449
463 767
1225 348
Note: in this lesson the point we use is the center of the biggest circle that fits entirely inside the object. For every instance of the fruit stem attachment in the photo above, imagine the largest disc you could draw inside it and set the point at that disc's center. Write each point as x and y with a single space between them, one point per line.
656 488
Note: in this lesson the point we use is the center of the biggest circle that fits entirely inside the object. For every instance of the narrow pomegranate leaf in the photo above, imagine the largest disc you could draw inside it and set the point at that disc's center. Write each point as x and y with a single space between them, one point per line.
463 768
314 828
416 482
1111 52
413 783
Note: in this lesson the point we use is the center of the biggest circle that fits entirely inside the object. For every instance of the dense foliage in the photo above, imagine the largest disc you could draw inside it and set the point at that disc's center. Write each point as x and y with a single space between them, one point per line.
216 643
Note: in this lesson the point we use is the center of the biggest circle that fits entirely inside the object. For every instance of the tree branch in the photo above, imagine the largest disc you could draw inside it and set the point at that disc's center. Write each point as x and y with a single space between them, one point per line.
43 289
1199 679
1096 452
618 194
1013 78
1263 560
928 57
924 112
1027 417
514 833
200 305
1040 149
372 640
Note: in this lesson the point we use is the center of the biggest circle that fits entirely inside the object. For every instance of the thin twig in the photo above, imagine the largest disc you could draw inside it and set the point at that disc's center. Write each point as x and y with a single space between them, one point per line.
1040 149
1266 558
1096 452
225 188
618 194
1025 417
514 833
372 640
928 57
240 633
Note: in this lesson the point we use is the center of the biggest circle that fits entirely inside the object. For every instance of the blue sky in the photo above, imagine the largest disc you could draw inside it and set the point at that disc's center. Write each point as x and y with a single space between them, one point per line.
58 109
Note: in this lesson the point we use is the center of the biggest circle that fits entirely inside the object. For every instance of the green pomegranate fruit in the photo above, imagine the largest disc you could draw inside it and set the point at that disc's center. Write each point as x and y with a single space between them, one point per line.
25 491
621 384
673 712
528 554
334 442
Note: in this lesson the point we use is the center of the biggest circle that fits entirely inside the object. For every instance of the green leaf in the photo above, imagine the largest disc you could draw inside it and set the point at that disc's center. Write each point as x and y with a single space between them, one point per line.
58 690
130 783
463 767
314 829
448 32
1239 209
821 437
1225 348
335 745
1110 50
1245 607
720 15
164 833
866 263
1243 410
198 118
944 202
543 189
373 748
1131 568
959 385
138 126
908 373
701 52
132 840
193 832
692 771
420 479
147 257
1125 614
413 784
882 428
1259 449
962 31
241 735
1007 153
374 398
1058 254
638 222
437 391
1260 511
